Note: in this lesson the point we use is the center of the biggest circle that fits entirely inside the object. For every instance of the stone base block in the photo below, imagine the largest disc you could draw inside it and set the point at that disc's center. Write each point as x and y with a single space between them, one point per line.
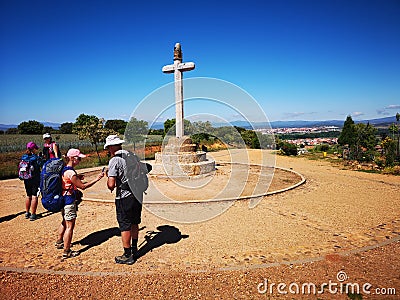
182 164
181 158
176 145
183 170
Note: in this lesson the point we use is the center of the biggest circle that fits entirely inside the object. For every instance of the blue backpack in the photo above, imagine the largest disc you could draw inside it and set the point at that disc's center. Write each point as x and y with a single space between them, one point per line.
28 167
51 184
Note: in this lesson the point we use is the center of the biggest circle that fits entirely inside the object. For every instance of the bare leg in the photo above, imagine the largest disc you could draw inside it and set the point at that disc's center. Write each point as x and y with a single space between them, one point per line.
28 203
126 238
61 231
69 230
34 204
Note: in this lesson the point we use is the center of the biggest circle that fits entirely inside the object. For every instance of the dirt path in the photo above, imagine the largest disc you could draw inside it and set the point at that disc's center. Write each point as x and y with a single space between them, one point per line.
338 221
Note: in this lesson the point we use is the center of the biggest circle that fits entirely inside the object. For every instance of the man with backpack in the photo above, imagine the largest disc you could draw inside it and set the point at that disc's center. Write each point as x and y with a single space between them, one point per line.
128 203
29 172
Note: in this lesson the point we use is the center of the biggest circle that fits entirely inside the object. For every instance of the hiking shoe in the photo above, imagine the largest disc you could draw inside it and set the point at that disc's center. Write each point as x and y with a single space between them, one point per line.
27 215
70 253
59 244
33 217
130 260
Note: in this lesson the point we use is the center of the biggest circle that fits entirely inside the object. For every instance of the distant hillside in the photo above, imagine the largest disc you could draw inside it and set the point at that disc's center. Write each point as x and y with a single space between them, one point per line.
381 122
4 127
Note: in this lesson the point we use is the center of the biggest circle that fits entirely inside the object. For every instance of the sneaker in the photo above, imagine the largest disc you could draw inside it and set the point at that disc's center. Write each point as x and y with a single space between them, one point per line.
33 217
59 244
27 215
70 253
130 260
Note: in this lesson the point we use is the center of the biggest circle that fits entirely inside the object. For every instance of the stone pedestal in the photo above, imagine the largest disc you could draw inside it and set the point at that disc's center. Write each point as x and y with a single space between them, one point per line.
179 158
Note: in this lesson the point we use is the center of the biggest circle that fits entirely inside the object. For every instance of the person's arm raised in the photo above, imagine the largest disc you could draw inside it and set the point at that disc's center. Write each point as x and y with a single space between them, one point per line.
80 185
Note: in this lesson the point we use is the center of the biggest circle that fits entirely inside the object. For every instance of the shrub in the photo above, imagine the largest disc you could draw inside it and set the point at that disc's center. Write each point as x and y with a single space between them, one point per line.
287 148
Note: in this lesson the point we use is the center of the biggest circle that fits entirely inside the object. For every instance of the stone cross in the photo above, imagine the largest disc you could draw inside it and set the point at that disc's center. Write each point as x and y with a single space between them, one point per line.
178 68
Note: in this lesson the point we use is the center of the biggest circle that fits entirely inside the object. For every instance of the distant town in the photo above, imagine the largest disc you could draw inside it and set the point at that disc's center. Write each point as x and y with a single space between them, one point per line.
305 130
301 130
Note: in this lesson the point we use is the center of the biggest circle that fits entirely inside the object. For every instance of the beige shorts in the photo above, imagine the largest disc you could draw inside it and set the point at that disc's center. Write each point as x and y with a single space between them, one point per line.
69 212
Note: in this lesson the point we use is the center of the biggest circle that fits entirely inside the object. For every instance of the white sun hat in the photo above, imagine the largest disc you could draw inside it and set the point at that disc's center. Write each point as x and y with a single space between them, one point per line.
113 140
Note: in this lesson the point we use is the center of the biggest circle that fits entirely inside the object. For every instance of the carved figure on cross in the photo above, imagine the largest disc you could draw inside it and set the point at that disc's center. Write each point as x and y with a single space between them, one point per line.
178 68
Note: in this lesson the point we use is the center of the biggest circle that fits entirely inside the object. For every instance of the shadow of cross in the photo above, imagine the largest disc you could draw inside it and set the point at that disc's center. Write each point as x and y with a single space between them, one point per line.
165 234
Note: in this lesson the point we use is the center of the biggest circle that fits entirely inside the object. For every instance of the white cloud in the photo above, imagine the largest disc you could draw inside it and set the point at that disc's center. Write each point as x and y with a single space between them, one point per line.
393 106
292 115
382 112
357 114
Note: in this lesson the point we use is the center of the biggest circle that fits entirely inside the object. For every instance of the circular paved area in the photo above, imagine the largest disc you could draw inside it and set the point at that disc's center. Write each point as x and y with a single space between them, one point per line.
334 212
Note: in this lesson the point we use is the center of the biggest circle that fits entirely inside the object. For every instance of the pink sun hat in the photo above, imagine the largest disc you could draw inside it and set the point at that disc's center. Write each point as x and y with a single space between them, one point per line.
31 146
75 153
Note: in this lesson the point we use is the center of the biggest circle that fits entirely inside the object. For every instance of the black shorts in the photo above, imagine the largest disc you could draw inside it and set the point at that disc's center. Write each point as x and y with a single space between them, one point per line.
129 211
32 186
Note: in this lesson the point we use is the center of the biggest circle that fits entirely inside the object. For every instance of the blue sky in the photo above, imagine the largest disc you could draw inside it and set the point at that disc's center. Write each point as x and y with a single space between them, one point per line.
300 60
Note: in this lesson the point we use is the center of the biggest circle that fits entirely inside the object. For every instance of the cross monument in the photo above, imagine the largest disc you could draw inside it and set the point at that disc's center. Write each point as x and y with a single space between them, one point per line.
178 68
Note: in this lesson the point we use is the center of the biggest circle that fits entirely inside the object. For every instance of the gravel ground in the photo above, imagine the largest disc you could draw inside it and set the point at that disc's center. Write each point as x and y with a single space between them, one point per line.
339 221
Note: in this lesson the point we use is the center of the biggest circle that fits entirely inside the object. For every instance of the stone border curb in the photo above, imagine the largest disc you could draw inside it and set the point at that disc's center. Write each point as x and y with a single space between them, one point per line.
302 181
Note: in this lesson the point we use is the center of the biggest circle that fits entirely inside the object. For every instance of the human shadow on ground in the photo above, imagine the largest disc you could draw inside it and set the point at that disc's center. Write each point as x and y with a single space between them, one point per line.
165 234
44 214
10 217
97 238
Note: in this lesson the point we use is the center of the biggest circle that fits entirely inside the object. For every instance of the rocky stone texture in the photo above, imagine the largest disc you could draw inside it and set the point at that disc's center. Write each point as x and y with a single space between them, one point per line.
179 158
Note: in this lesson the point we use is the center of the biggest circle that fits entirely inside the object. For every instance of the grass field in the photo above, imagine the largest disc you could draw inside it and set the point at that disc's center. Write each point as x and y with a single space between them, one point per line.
17 142
12 147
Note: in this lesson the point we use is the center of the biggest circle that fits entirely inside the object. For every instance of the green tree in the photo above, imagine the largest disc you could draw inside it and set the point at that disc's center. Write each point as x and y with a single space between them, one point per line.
348 132
287 148
230 136
12 131
393 129
168 124
156 131
48 129
250 138
389 148
91 128
66 128
116 125
169 127
30 127
136 131
201 127
364 142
